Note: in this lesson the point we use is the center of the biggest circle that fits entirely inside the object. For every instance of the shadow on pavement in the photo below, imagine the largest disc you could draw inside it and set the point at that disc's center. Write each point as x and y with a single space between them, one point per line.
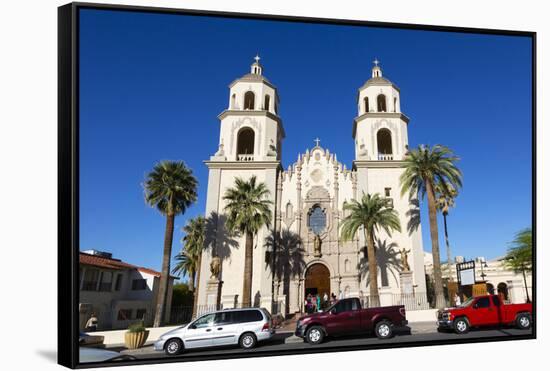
397 331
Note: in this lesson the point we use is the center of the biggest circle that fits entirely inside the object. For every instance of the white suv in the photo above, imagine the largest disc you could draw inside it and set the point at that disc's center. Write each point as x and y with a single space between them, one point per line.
227 327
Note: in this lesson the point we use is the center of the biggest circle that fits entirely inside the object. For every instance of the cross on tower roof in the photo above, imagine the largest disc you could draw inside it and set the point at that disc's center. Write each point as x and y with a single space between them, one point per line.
257 58
376 61
317 140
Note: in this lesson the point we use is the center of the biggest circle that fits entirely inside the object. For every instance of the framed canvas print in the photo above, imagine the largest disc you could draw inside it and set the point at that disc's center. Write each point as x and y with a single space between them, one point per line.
243 185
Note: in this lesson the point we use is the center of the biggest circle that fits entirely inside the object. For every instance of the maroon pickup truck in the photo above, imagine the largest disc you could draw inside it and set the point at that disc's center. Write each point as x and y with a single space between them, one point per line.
346 317
486 310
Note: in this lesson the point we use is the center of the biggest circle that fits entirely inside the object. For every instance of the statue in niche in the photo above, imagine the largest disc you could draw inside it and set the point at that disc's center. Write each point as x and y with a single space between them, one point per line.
272 149
215 266
404 260
362 149
317 246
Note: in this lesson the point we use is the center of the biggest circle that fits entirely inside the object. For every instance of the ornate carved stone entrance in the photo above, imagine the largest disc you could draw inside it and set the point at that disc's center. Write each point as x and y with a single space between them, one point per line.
317 280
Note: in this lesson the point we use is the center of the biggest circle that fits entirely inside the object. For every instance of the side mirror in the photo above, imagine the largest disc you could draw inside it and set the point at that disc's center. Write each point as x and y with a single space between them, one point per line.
333 311
193 327
476 305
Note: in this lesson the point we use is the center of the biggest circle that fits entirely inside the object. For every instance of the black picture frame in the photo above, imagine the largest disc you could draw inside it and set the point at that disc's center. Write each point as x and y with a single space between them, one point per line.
68 176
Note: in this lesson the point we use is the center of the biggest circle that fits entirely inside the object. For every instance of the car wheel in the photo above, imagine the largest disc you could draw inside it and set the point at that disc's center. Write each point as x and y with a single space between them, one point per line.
247 340
315 335
523 321
173 347
461 325
383 330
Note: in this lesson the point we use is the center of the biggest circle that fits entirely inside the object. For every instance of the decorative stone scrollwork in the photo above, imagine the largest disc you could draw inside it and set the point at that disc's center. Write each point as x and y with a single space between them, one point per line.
318 193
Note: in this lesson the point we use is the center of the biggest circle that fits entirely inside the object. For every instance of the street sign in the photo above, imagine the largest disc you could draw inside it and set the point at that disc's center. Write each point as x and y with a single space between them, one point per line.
466 273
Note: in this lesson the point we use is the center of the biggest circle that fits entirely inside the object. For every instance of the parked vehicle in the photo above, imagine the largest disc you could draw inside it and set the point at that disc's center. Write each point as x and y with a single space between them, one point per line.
88 340
87 355
346 317
245 327
487 310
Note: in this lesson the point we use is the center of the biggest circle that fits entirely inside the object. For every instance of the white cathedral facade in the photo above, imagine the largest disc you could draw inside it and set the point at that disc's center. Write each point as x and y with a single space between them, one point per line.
308 198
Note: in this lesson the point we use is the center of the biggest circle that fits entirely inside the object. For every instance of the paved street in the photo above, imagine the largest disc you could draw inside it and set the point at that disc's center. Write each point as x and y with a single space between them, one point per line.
403 335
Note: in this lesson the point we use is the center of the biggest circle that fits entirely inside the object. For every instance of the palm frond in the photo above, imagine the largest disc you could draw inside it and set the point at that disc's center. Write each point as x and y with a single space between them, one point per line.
247 206
436 165
170 187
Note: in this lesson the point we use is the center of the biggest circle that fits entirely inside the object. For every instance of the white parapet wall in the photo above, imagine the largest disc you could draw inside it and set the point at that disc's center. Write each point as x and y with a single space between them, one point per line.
428 315
116 337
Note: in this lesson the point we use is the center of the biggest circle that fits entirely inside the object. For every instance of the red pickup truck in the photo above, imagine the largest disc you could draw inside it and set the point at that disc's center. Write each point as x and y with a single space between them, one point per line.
487 310
346 317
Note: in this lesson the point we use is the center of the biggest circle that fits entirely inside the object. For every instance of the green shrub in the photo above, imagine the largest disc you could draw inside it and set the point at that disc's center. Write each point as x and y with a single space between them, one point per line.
136 327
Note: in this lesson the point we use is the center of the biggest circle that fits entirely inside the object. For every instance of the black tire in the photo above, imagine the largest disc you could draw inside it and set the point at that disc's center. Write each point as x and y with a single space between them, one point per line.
247 340
461 325
383 330
315 335
523 321
173 347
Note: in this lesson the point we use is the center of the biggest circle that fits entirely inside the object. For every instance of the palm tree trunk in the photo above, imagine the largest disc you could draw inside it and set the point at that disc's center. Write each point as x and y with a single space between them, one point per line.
373 271
276 236
247 282
449 258
192 282
434 236
165 274
196 293
525 283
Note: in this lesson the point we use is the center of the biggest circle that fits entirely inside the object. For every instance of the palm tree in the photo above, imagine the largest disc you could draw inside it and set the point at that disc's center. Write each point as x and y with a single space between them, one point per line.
248 210
171 188
519 257
190 256
197 229
444 201
187 265
371 213
424 168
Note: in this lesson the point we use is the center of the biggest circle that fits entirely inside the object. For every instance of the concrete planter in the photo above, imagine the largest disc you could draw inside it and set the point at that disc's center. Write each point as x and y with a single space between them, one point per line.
134 340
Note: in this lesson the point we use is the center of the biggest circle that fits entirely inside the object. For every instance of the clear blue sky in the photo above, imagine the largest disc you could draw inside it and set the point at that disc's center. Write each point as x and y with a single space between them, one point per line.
152 86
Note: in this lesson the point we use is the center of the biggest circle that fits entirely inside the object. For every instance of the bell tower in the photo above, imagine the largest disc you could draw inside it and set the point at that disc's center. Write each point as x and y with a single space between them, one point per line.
250 139
380 132
251 129
380 128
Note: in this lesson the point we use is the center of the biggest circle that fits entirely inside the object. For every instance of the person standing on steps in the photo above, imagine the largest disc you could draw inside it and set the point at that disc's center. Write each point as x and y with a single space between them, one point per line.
318 302
91 324
457 300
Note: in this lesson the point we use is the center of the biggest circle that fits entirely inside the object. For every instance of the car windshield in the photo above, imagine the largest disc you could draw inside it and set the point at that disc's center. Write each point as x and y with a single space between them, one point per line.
467 303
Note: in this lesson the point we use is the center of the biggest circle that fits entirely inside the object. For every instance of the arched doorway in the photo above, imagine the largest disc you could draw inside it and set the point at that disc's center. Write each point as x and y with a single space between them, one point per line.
502 290
490 289
317 280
